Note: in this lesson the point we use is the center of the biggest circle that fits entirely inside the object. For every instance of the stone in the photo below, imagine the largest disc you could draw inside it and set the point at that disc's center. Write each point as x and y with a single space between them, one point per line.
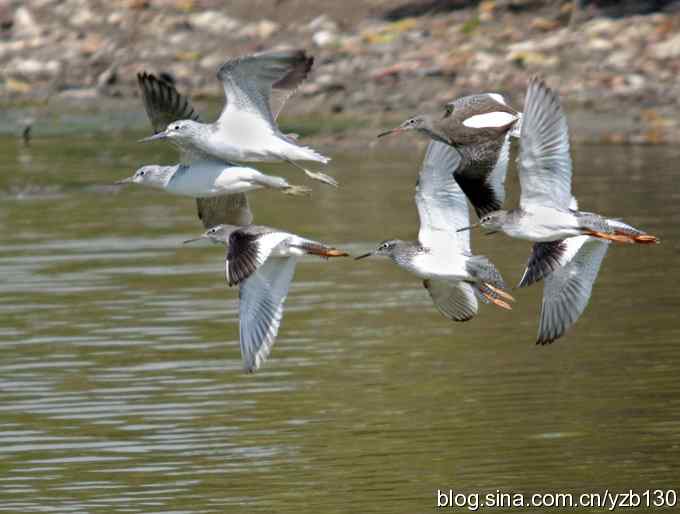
214 22
325 38
24 24
669 49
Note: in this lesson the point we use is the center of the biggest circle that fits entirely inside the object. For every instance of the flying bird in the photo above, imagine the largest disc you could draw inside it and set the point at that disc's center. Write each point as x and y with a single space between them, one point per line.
255 88
479 127
569 244
454 277
261 261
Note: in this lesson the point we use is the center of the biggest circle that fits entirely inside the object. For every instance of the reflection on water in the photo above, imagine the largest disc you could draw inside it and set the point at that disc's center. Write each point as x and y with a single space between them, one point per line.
121 380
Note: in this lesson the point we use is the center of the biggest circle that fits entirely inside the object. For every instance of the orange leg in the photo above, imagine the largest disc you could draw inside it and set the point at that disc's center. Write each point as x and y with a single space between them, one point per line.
621 237
500 292
324 251
496 301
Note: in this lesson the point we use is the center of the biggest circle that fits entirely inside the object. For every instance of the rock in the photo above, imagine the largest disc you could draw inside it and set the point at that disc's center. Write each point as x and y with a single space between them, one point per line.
669 49
83 17
24 24
107 78
214 22
322 22
212 61
325 38
600 44
262 29
533 59
544 24
33 68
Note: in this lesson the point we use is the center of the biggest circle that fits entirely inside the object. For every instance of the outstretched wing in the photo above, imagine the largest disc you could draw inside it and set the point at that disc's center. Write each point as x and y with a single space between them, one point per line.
163 103
566 291
248 81
442 206
544 160
249 248
261 308
232 209
455 300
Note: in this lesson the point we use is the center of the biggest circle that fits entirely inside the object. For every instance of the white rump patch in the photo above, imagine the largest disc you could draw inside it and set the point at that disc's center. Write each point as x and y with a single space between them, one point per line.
499 98
490 119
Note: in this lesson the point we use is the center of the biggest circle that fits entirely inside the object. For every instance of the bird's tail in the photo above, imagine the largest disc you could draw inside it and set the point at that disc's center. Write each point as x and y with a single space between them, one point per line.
305 153
490 286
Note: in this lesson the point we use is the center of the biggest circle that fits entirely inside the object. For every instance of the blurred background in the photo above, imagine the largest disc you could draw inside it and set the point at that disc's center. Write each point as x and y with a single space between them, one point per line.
121 388
615 62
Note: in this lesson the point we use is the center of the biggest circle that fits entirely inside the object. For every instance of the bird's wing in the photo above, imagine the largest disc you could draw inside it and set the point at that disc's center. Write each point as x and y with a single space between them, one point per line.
485 187
261 309
544 160
249 248
548 256
455 300
163 103
442 206
248 81
231 209
566 291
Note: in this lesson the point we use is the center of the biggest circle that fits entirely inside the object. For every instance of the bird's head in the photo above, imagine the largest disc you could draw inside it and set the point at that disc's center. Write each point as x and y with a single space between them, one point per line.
219 234
421 123
180 130
147 175
386 248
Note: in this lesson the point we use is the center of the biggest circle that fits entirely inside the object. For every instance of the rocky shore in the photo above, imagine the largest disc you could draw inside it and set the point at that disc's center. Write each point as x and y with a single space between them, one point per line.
374 64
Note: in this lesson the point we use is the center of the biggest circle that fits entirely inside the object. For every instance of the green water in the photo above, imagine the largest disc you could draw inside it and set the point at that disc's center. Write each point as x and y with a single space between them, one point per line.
121 387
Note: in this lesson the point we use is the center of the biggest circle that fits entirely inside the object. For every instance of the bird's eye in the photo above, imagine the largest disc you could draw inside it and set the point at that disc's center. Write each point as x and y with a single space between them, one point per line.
177 127
141 173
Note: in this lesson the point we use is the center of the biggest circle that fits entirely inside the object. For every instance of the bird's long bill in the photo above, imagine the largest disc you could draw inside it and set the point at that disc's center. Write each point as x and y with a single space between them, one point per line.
363 256
160 135
193 240
391 131
124 181
468 228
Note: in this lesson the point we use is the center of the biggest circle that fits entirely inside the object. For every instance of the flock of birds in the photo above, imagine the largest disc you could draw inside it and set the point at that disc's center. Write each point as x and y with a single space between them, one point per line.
466 161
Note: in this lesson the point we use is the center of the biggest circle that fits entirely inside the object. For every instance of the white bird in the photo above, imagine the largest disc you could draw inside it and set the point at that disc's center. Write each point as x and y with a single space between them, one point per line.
441 256
256 87
569 244
261 261
218 186
208 178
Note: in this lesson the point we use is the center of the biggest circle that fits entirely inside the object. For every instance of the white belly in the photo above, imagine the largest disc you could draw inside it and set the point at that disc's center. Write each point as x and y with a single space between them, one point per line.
544 224
205 181
435 266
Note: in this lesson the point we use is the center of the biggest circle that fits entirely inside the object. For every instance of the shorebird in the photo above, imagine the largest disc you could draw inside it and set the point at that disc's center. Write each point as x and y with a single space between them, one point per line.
479 127
256 87
200 176
441 257
569 245
261 261
207 178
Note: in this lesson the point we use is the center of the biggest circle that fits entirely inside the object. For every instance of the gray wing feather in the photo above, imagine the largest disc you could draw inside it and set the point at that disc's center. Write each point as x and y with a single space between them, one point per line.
567 290
232 209
455 300
496 178
544 160
261 309
248 81
163 103
442 205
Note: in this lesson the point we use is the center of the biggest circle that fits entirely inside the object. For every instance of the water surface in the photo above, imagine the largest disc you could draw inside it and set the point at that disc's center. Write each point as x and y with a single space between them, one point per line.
121 387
